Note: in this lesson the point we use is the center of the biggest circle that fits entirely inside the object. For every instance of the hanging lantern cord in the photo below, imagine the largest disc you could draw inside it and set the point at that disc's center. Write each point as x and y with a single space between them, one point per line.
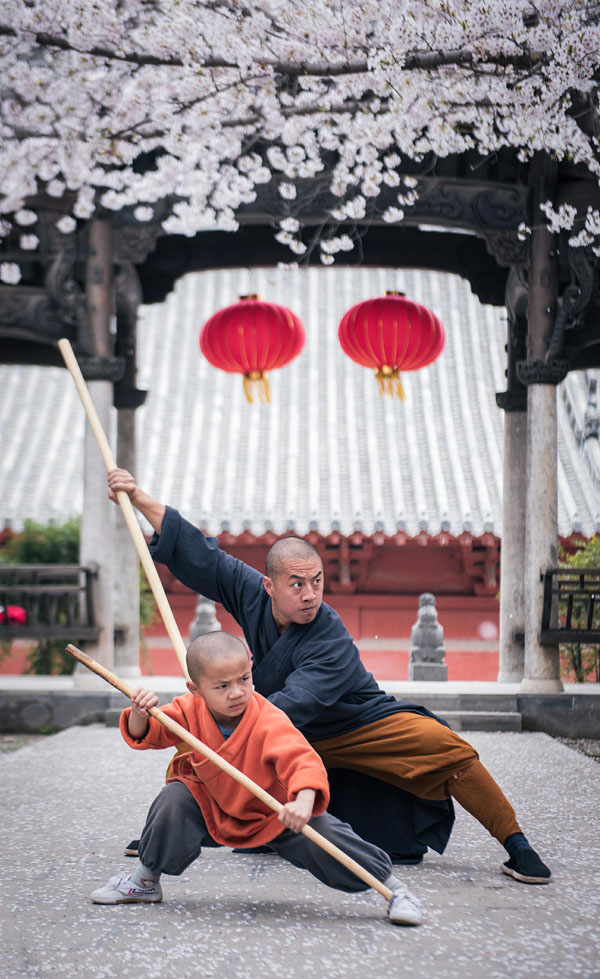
255 382
389 381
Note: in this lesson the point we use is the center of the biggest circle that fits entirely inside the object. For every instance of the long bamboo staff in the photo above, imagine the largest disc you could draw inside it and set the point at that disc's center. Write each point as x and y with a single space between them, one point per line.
225 766
175 636
126 507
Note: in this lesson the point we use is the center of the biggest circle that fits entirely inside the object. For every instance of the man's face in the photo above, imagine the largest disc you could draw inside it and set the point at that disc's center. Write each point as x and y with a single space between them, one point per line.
296 592
226 686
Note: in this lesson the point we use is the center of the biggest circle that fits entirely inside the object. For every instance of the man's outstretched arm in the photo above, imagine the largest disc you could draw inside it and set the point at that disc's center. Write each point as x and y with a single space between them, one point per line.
194 559
152 510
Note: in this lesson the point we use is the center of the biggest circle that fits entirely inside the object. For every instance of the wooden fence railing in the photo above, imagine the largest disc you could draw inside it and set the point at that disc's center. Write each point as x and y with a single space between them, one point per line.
577 592
47 601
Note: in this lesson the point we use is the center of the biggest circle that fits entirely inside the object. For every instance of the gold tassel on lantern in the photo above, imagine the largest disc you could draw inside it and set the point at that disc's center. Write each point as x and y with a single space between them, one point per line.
388 379
255 382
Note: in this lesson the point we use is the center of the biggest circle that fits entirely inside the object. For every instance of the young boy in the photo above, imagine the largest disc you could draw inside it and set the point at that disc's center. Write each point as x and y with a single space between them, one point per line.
203 806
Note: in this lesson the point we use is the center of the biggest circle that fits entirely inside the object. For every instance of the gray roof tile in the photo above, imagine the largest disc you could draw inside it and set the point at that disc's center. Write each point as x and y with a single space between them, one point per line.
328 452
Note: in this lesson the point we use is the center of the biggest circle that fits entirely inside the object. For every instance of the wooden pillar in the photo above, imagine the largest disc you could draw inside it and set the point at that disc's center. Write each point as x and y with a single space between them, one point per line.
98 512
541 662
127 565
127 400
512 553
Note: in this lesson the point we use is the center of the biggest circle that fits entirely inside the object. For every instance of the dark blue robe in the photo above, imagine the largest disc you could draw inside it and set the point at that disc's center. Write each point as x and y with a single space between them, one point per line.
314 673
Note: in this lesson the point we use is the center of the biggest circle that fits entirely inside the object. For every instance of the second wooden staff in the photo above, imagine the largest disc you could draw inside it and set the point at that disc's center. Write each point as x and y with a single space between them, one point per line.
184 735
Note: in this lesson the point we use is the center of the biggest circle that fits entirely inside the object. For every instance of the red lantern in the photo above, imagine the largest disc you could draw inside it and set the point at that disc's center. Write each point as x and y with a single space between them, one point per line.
250 338
391 334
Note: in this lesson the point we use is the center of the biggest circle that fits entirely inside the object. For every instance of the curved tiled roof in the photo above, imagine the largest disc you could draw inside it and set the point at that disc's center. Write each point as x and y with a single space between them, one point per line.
328 452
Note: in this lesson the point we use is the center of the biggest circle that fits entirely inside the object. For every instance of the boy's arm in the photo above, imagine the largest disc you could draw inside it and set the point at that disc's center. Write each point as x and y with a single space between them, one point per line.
297 766
296 814
146 732
141 702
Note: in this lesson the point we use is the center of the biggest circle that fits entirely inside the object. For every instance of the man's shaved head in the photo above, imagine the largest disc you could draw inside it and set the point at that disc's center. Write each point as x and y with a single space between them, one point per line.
212 647
285 548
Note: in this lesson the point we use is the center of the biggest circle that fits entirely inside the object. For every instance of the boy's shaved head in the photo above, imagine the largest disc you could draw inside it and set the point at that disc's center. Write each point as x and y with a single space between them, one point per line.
212 647
284 549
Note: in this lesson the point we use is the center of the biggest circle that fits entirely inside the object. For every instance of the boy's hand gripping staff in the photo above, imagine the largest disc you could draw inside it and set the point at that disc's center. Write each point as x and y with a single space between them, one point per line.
225 766
126 506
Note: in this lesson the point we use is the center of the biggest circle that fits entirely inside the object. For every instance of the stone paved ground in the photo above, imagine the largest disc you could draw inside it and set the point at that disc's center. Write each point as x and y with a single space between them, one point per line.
12 742
70 801
587 746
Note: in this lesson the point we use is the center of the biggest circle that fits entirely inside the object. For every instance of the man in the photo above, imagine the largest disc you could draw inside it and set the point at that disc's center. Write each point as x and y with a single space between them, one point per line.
305 662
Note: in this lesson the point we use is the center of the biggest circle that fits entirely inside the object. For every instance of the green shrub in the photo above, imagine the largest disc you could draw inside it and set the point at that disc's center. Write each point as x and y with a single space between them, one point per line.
148 607
580 660
49 658
58 543
51 543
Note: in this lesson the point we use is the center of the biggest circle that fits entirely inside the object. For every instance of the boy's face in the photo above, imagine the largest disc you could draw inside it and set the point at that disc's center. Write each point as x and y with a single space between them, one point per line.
226 687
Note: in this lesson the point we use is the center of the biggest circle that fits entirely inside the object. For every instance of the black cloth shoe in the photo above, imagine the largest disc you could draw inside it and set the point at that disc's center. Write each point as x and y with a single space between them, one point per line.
526 866
132 849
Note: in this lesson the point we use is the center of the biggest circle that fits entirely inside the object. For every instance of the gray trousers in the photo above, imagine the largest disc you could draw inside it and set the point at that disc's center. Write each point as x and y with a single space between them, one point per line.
175 833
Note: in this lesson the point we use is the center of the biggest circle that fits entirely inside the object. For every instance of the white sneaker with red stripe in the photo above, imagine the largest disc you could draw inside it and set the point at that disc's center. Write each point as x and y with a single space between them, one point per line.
123 889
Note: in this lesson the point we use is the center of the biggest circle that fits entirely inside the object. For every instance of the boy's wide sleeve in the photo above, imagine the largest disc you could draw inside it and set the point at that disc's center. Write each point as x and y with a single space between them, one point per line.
297 765
157 735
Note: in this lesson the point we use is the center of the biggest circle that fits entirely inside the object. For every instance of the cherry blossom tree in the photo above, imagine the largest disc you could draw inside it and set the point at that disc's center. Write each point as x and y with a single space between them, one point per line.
194 104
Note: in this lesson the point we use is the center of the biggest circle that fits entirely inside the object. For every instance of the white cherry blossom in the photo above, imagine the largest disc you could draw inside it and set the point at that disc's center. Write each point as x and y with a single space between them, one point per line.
143 213
287 191
66 224
29 242
25 217
290 224
563 217
55 188
393 214
10 273
127 104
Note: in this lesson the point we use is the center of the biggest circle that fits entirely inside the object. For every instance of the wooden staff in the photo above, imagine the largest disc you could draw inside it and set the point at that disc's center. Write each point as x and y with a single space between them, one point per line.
126 507
184 735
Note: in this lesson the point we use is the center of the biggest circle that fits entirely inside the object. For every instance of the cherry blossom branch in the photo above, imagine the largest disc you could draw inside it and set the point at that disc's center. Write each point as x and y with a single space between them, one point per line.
414 61
332 95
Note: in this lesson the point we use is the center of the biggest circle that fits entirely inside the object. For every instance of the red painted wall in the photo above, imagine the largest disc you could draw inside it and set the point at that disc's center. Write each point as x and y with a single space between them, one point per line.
381 626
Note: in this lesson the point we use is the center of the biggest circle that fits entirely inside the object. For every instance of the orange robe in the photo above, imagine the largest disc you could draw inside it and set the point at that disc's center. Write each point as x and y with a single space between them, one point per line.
265 746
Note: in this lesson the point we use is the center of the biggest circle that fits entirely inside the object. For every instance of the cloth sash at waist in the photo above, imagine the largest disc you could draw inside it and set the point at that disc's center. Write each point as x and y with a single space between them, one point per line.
416 753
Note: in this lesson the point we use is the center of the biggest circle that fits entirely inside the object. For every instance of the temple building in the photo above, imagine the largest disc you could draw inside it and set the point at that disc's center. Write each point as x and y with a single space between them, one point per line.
399 497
